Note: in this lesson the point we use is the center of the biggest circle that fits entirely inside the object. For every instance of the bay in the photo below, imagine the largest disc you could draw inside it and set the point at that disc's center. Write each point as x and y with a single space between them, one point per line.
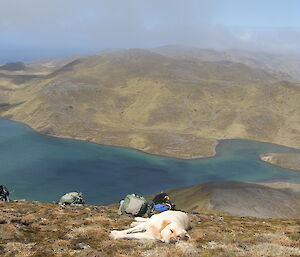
42 168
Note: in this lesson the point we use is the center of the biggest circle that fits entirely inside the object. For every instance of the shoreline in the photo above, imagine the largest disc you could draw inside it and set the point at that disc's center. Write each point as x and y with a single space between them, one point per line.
119 146
215 152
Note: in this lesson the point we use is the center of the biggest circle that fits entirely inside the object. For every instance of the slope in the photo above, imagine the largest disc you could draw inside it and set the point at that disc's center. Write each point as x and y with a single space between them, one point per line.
269 200
158 104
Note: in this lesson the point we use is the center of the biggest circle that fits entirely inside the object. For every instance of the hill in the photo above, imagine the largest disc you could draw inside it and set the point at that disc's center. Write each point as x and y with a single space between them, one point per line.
42 66
157 103
13 66
268 200
38 229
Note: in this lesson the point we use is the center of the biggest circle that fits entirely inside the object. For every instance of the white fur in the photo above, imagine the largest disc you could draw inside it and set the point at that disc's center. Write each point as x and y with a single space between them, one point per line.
168 227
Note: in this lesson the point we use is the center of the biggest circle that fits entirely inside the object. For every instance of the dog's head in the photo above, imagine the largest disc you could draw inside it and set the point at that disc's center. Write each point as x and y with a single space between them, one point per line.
172 233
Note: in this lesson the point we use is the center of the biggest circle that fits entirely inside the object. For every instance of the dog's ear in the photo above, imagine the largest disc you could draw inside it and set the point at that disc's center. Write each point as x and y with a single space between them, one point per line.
164 224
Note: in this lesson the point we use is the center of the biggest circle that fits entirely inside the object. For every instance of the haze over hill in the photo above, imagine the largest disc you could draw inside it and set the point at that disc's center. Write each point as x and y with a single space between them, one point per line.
172 101
286 65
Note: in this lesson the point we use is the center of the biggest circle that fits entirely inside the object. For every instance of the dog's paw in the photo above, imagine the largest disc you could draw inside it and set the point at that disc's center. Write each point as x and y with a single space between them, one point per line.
115 234
134 224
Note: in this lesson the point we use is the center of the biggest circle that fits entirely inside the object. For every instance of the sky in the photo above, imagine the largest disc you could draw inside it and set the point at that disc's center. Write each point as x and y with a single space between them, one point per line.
32 29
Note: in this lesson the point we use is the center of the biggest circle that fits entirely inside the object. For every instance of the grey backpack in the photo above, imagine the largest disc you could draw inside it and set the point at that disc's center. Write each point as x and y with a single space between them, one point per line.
132 204
71 198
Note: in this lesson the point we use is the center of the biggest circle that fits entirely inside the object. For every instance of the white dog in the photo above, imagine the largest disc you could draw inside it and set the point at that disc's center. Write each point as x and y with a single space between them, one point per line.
168 227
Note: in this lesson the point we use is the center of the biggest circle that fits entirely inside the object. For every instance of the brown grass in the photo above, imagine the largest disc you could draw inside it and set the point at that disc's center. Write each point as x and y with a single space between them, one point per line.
50 230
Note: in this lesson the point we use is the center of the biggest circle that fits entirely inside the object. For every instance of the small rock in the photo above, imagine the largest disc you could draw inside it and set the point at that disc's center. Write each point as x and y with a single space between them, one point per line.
212 245
26 222
83 246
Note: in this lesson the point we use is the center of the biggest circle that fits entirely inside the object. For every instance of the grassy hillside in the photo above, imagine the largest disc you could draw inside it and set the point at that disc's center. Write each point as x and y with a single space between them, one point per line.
159 104
269 200
35 229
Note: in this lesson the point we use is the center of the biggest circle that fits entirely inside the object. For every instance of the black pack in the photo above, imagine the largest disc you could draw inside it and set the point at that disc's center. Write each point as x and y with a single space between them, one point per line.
161 198
164 198
4 194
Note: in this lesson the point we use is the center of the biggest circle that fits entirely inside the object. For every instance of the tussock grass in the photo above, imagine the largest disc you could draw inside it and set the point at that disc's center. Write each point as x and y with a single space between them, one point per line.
37 229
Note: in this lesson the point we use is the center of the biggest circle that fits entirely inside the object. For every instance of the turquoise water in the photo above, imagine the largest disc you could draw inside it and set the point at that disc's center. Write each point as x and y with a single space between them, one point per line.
42 168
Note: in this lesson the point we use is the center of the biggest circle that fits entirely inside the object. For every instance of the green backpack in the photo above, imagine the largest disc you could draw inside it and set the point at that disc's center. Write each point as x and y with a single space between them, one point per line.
132 204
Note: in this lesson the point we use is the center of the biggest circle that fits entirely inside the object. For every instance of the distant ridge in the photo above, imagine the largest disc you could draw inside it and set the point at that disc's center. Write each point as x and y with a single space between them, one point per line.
286 65
13 66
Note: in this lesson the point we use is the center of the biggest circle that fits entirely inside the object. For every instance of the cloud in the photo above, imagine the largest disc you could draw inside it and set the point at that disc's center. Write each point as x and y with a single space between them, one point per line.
275 40
38 28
